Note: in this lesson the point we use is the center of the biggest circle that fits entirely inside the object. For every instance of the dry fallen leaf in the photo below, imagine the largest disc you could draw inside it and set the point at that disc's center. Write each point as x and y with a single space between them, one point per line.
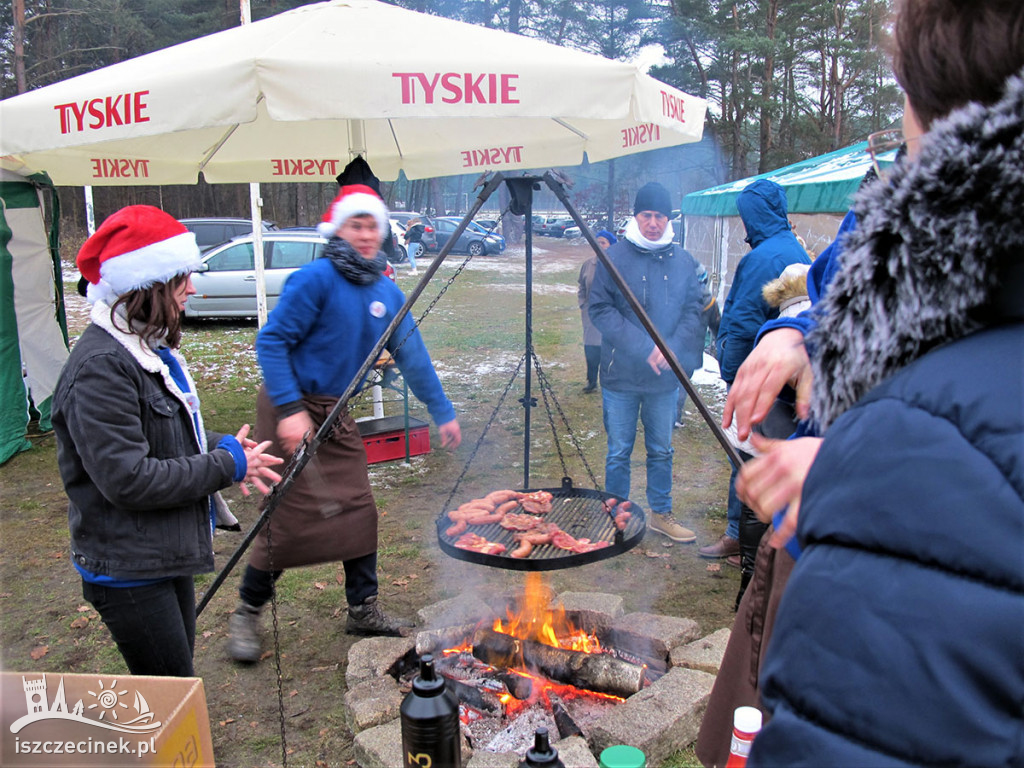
80 622
293 693
714 567
84 608
229 720
400 582
39 651
320 584
207 633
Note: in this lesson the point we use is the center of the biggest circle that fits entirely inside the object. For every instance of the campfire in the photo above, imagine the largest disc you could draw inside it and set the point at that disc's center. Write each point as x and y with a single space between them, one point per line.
533 667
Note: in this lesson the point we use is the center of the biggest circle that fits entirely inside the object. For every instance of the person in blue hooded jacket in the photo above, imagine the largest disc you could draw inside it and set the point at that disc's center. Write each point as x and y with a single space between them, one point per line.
762 207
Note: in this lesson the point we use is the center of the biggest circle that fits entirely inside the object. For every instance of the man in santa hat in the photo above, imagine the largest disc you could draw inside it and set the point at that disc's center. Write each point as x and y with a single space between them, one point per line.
330 315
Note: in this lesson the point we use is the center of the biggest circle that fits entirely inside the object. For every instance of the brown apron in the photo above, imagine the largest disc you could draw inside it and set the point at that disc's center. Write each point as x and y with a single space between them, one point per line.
329 513
737 683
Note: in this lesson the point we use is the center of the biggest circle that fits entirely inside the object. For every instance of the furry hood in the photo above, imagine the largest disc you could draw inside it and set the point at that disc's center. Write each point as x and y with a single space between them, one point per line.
937 253
787 289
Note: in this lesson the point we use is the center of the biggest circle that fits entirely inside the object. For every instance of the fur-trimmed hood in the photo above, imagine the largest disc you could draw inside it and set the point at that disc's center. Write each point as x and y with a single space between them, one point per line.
938 252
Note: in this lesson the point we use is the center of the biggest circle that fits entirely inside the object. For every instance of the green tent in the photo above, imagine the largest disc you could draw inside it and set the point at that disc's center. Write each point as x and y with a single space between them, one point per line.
33 328
819 192
823 184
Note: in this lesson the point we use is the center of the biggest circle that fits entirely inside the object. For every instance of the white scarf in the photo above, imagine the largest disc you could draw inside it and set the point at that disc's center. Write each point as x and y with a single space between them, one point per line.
633 235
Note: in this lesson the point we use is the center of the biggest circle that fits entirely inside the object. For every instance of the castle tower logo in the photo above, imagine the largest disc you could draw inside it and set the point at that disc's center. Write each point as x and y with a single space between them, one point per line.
111 707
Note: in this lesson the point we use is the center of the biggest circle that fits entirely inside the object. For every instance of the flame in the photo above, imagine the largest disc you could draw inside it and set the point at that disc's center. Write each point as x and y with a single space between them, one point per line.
537 621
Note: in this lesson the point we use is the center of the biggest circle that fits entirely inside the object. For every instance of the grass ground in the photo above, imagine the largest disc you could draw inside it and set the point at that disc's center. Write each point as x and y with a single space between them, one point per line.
476 337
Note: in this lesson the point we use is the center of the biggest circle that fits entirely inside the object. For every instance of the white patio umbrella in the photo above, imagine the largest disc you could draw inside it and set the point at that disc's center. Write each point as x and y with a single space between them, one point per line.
294 97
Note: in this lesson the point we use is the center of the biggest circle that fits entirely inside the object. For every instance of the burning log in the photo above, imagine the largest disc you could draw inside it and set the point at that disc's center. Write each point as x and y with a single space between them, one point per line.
482 701
594 671
563 720
520 687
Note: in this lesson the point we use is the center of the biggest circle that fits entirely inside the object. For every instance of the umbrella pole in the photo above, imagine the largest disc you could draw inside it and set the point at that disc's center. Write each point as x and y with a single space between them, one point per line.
557 187
308 449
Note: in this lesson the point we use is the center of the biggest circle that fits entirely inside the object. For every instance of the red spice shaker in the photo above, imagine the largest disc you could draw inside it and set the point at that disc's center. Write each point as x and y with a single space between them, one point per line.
746 722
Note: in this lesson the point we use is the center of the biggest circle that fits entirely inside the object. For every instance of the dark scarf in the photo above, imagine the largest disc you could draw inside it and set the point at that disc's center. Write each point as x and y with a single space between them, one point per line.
351 265
938 245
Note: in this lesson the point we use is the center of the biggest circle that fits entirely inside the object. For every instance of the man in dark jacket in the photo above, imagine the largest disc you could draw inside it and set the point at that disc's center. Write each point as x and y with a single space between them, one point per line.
635 377
762 207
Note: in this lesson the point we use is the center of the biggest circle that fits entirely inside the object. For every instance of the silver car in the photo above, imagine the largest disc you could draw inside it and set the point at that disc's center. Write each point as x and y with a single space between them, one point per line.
226 283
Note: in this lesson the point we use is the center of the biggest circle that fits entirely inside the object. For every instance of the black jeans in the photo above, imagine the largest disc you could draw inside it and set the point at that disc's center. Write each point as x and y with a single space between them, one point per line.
360 582
154 626
592 352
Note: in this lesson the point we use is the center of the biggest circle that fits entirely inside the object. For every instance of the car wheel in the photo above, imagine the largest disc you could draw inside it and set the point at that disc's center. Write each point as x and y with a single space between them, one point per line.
401 254
476 248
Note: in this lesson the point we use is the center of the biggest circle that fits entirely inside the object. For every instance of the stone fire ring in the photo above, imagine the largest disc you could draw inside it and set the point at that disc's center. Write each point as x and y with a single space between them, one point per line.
661 719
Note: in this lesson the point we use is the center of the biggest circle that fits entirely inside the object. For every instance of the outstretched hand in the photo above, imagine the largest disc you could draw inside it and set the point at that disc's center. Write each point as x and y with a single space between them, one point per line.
775 480
258 463
780 358
451 434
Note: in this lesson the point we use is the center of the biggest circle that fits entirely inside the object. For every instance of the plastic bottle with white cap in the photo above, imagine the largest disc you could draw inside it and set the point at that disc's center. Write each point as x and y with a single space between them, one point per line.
746 722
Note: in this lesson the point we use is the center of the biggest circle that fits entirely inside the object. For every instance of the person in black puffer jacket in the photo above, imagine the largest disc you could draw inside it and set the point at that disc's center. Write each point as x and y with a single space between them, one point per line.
898 640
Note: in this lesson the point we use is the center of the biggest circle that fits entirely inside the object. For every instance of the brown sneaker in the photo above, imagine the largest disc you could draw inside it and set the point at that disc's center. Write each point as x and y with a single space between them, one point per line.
370 619
667 525
726 546
734 561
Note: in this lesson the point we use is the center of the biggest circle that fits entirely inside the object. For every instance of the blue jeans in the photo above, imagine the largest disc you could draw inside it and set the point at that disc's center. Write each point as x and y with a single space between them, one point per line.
413 250
154 626
657 413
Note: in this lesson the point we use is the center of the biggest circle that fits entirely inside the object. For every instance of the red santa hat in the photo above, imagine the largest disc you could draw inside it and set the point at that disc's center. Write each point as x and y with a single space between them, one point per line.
134 248
354 200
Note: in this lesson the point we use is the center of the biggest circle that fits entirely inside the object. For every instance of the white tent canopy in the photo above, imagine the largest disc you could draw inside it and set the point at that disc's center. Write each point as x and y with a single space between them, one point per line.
294 97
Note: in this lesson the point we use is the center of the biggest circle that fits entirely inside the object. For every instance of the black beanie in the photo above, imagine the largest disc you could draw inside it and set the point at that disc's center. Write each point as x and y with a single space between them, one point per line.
653 197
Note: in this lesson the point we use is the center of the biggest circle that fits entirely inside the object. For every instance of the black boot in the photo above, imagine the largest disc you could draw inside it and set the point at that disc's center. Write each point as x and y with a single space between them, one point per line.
370 619
751 531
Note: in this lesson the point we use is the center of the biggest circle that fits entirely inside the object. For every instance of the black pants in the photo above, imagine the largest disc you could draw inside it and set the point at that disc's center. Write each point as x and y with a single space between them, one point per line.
593 354
154 626
360 582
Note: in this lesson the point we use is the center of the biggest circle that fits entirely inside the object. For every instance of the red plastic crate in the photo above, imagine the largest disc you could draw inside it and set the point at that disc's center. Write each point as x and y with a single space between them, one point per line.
384 438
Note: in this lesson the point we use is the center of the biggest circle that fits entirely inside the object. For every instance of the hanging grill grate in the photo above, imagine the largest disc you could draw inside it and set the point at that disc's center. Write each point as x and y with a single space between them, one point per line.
577 511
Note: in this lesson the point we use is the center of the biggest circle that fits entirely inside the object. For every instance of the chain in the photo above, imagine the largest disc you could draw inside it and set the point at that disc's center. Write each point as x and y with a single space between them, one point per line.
487 426
277 639
545 390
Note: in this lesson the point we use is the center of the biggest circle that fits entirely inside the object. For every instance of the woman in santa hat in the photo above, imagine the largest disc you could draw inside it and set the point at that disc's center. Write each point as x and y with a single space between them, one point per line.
141 472
330 315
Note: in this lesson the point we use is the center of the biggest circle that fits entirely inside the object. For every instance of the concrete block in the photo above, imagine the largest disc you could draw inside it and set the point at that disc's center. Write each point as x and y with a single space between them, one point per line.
372 703
661 719
591 611
380 747
652 635
704 654
373 657
574 753
464 609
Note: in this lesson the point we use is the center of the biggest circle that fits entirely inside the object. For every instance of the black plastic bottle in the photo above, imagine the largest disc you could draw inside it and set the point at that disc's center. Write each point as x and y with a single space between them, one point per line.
430 722
543 755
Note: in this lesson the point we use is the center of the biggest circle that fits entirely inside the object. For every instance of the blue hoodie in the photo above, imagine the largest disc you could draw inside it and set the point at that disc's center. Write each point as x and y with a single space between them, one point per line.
762 206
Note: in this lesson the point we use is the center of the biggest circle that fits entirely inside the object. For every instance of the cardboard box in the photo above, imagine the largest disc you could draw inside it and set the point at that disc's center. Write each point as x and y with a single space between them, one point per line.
58 720
384 438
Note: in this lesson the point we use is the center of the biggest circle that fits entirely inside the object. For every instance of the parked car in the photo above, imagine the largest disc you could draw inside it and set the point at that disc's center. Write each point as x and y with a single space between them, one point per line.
214 231
429 236
551 225
572 231
226 282
474 240
398 236
491 225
